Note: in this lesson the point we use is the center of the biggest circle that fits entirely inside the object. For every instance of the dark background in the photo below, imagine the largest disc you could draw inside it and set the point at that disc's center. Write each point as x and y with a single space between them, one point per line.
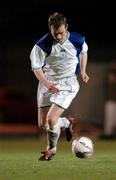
22 23
27 20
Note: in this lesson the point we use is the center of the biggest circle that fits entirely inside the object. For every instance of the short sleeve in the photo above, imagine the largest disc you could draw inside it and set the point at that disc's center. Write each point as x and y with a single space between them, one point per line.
37 57
84 48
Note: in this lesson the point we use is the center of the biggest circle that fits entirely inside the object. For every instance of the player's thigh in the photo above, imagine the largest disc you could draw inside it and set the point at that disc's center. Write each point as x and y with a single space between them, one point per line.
54 113
42 113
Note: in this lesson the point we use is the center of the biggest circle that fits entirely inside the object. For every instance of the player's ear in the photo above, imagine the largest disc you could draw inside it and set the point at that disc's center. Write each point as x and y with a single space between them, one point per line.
66 26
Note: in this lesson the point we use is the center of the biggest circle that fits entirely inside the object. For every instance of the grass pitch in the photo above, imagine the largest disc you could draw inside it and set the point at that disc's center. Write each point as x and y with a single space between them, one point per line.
19 161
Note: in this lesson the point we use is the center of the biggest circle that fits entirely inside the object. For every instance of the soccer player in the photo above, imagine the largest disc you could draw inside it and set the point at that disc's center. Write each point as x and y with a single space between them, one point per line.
56 59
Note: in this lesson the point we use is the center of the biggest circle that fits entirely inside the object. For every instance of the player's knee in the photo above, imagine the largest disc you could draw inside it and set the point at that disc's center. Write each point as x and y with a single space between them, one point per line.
42 124
51 121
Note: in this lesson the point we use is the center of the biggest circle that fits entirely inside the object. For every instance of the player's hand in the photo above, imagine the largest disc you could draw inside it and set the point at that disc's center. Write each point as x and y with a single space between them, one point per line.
52 87
85 77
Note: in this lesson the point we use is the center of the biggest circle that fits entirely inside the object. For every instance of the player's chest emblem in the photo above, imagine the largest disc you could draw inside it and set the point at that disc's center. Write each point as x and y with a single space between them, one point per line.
63 53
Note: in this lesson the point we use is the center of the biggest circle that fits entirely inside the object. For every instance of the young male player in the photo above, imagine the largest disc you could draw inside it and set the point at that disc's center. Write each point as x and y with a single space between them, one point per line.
56 59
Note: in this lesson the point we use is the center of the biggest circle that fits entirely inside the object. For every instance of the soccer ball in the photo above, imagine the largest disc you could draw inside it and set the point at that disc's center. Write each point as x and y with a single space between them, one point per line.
82 147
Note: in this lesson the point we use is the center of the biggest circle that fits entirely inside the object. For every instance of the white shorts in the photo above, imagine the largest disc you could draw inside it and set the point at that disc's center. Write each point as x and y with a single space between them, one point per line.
68 87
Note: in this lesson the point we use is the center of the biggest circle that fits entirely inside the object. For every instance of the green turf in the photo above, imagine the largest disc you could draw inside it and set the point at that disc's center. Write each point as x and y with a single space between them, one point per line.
19 161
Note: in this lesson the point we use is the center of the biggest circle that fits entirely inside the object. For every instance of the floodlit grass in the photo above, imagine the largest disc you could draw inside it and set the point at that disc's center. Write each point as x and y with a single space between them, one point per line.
19 161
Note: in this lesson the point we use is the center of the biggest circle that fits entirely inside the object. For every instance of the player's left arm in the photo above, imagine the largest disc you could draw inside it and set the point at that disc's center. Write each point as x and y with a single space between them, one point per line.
83 63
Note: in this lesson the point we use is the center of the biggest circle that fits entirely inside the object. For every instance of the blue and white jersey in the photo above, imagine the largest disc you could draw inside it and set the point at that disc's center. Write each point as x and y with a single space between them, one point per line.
58 60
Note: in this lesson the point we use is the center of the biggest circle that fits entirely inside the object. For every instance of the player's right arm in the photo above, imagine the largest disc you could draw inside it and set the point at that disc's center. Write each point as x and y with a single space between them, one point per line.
37 57
41 77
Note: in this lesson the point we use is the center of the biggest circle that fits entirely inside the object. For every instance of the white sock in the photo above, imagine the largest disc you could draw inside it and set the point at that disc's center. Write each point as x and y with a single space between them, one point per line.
53 136
63 122
54 133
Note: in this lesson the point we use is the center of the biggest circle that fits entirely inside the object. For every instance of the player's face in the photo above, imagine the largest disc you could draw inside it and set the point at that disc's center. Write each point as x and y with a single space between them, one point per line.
59 34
